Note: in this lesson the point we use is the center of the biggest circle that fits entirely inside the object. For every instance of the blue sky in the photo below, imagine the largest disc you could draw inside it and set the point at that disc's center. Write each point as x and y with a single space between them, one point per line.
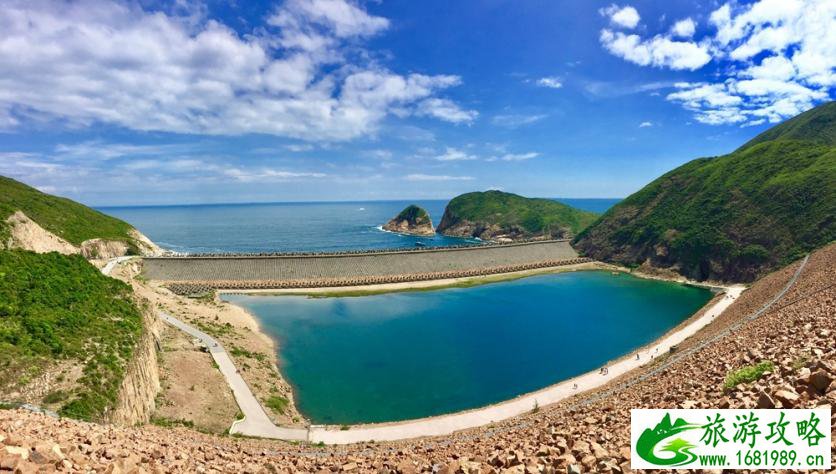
120 103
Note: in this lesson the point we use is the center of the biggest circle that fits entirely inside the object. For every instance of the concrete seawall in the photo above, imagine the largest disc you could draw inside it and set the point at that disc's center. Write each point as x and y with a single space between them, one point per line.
328 270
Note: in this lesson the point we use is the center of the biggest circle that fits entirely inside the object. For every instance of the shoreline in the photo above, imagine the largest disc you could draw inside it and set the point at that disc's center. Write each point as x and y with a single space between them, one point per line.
448 423
419 285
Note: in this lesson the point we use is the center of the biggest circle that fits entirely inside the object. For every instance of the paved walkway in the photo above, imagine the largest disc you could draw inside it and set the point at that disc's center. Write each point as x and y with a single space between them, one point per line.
111 264
255 422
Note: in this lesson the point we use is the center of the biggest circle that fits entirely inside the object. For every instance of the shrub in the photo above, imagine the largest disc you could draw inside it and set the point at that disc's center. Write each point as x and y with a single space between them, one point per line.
748 374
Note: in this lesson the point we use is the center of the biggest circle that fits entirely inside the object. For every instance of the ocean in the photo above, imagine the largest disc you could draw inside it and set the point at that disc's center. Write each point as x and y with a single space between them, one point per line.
290 227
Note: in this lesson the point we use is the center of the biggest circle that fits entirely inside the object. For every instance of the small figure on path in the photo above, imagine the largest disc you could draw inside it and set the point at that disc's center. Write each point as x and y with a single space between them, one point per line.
637 357
575 387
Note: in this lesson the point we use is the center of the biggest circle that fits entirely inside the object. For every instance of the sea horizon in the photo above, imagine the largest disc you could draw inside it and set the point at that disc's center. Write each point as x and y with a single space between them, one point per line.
328 201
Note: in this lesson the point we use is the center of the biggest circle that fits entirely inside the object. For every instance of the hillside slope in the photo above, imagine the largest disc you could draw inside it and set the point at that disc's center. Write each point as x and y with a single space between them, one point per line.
732 217
67 333
72 223
494 215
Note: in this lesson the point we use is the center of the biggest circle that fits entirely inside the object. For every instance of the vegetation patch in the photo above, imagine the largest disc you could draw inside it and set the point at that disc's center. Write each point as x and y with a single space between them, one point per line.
56 306
733 217
67 219
277 403
748 374
533 216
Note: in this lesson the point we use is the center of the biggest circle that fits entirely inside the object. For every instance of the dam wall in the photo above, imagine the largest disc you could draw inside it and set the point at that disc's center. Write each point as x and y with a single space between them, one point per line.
317 270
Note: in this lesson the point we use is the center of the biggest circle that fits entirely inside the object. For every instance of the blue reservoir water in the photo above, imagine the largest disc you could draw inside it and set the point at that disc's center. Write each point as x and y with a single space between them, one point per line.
407 355
312 226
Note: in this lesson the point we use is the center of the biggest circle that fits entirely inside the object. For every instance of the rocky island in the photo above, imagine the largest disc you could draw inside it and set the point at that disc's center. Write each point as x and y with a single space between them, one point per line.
501 216
413 220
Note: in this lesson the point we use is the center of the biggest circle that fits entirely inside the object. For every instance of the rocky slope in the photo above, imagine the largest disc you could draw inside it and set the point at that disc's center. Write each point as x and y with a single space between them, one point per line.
413 220
501 216
32 220
589 433
732 217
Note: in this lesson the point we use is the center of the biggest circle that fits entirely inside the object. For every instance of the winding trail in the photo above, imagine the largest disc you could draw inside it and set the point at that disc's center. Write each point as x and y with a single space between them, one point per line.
257 423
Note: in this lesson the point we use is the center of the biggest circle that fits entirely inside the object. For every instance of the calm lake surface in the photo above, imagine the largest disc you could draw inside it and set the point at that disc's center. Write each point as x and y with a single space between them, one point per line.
307 226
408 355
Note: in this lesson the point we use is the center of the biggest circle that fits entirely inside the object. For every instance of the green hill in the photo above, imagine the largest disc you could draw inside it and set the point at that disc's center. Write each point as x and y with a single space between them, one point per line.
496 214
58 312
732 217
67 219
414 214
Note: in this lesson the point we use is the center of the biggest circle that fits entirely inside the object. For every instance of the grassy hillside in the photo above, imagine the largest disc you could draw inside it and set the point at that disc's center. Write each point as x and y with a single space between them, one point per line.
530 217
414 215
732 217
67 219
57 309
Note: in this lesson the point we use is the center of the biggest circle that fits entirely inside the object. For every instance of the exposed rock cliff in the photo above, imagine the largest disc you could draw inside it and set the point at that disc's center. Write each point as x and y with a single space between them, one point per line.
137 394
39 222
412 220
24 233
500 216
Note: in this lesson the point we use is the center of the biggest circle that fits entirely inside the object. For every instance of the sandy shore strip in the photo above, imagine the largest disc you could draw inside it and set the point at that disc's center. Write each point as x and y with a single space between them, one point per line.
419 285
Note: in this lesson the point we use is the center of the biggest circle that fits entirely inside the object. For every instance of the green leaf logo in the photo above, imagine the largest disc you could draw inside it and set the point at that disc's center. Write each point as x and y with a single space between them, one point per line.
680 448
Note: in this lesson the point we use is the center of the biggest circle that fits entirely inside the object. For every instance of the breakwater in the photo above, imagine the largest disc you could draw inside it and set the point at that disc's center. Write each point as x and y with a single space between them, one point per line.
349 269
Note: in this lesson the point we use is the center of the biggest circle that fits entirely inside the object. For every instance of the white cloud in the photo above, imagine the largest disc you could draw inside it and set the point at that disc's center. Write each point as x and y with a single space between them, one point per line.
304 75
519 156
516 120
684 28
446 110
437 177
453 154
552 82
777 58
645 124
659 51
625 17
267 175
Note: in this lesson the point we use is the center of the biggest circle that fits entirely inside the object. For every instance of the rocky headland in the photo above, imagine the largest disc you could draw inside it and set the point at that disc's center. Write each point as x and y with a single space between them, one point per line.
504 217
413 220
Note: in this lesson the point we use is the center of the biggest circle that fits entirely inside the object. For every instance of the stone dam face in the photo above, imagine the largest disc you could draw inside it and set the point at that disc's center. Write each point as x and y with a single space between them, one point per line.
374 266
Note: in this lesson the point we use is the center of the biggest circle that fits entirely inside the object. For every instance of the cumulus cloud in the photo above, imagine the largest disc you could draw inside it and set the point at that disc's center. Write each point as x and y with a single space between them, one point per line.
300 76
625 17
645 124
684 28
659 51
550 82
437 177
779 59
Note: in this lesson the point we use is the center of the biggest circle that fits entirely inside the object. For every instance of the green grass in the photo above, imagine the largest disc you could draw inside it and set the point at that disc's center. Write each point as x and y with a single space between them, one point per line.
748 374
57 307
733 217
277 403
413 214
67 219
533 216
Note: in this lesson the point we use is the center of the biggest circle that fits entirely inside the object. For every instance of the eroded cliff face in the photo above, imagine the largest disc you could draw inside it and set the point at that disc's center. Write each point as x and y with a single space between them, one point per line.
26 234
137 394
